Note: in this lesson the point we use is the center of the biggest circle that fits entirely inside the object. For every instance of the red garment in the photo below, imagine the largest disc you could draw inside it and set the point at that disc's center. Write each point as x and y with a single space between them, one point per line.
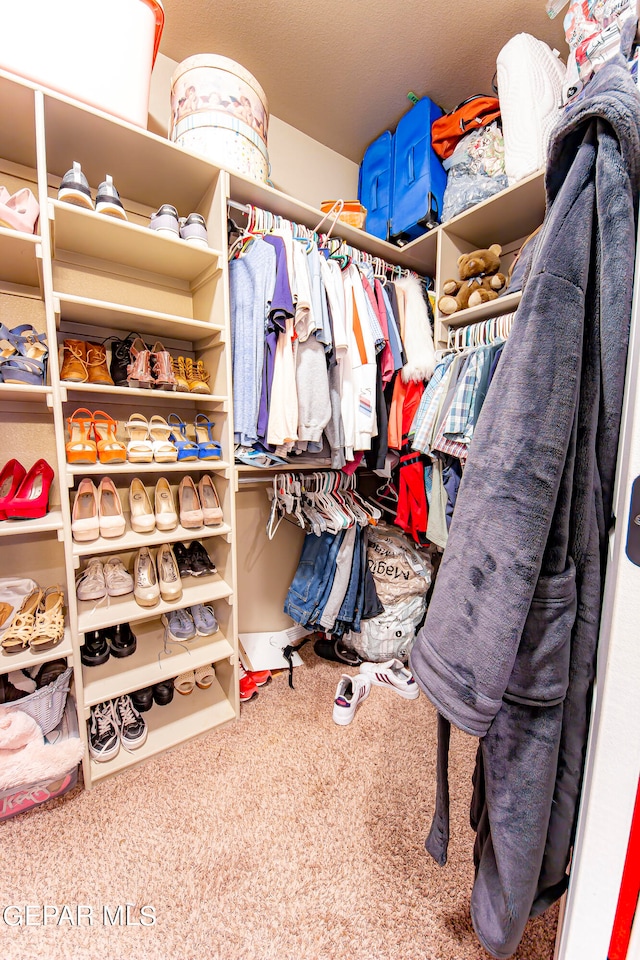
413 512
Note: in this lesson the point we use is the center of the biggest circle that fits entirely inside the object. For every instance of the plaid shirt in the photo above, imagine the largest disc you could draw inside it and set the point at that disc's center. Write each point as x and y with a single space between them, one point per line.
424 420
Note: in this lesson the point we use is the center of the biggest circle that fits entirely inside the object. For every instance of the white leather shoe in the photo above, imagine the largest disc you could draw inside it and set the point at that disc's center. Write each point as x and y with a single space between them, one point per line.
143 519
110 510
168 574
191 515
210 501
166 516
146 589
85 524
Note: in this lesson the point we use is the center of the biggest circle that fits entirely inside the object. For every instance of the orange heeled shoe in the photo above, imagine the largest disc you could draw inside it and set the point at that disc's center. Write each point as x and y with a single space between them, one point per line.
110 449
81 448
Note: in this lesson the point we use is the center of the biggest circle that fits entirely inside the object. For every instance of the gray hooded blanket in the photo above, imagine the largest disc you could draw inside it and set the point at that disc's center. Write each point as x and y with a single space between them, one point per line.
507 652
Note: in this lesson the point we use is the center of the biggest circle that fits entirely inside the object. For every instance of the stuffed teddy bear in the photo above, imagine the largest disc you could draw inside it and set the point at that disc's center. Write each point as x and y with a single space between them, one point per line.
479 280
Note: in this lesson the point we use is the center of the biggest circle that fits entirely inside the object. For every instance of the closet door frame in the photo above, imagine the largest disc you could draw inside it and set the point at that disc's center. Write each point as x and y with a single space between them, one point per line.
612 767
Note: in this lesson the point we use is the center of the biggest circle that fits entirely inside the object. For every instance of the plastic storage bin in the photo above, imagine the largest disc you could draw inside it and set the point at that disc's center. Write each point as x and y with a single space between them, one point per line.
219 110
99 53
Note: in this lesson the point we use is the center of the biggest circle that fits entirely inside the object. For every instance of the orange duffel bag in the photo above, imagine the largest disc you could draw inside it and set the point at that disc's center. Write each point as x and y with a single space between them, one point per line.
477 111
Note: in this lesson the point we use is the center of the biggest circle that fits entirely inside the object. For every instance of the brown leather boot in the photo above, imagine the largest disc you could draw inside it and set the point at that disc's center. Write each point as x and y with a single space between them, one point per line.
97 364
197 376
74 361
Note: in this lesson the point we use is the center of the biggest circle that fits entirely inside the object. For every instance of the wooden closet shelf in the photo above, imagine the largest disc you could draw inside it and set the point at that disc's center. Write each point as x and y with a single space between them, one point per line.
115 241
93 616
181 466
20 259
51 522
155 396
131 540
26 659
147 666
25 392
179 721
105 315
494 308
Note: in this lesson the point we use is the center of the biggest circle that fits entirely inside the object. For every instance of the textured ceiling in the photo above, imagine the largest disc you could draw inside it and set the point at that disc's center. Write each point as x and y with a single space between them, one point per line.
340 70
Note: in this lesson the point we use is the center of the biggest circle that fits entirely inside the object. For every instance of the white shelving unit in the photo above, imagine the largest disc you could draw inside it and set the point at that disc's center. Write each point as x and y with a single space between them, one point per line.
91 277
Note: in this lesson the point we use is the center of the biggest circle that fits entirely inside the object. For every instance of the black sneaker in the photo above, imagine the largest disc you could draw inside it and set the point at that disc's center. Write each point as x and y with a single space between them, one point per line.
163 692
131 726
104 739
183 559
121 639
142 699
200 562
95 649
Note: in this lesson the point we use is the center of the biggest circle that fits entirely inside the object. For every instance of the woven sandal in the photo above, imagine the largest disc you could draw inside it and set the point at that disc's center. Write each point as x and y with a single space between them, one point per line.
185 682
205 676
20 631
48 630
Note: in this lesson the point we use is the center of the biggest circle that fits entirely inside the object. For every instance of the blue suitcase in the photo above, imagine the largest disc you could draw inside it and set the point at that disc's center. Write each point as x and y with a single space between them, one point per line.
374 185
419 178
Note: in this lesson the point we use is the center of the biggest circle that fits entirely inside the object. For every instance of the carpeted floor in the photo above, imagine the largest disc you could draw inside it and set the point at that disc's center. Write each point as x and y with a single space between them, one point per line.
281 837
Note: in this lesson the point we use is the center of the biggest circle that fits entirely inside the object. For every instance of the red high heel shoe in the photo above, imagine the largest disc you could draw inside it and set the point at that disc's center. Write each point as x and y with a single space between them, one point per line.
32 498
12 475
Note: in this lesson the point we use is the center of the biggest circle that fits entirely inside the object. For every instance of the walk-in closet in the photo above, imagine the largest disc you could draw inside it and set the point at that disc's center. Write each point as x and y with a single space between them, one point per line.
320 489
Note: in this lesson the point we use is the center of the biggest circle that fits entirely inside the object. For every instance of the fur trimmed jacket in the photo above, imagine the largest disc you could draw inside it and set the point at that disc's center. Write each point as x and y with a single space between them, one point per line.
507 651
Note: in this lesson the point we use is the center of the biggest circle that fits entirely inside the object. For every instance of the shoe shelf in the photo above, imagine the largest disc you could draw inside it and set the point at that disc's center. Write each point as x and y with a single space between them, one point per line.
25 392
173 396
130 540
70 308
96 615
52 521
101 237
20 259
183 719
149 665
25 659
113 470
494 308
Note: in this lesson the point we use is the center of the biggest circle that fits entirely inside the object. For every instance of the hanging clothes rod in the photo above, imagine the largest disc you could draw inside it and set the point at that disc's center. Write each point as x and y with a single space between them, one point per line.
354 252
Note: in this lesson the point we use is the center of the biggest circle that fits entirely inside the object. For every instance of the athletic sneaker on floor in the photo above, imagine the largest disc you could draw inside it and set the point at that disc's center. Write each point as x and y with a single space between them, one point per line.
350 692
394 675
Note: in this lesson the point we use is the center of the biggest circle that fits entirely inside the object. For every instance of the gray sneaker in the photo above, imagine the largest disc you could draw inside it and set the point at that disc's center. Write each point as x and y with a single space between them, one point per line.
193 229
108 200
204 619
74 188
165 220
180 626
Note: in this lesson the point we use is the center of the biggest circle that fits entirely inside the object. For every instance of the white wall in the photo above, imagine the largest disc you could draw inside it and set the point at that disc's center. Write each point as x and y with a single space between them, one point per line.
300 166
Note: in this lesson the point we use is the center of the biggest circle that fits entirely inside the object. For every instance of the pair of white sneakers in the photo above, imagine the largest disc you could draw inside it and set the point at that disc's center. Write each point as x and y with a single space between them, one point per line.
351 691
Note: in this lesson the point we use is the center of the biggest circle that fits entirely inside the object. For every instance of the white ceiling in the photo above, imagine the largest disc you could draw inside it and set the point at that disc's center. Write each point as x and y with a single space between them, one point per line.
340 70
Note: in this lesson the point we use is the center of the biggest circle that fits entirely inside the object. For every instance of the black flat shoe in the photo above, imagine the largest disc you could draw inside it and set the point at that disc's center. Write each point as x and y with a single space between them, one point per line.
142 699
121 639
163 693
181 554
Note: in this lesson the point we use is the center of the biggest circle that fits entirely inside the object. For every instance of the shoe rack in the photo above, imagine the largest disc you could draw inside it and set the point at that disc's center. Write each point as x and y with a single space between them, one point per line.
88 276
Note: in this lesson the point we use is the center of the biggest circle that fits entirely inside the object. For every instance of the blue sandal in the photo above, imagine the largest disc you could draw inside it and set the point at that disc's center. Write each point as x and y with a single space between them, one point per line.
208 448
23 359
187 449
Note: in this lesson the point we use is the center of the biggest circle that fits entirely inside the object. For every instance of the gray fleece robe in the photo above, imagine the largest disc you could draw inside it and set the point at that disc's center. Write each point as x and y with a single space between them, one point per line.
507 652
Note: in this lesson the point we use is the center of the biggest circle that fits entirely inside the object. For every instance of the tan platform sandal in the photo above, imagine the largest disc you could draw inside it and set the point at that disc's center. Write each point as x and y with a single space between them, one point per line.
185 683
48 629
204 676
20 631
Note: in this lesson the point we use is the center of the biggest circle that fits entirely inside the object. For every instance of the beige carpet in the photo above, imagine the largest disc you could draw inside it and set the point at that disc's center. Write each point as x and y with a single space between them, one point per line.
283 836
